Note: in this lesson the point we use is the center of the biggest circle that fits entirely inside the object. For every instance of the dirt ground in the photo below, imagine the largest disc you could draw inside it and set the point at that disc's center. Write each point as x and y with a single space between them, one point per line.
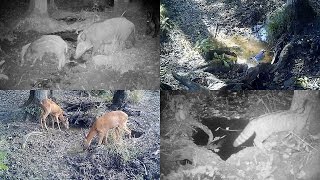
133 68
194 21
33 153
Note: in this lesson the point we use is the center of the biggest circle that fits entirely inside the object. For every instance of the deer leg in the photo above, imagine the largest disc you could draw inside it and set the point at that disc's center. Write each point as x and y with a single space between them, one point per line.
117 133
125 127
57 119
106 137
52 121
43 119
101 136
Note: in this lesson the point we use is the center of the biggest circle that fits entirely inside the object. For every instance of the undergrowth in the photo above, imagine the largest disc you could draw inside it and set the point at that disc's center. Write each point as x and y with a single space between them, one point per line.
165 25
3 156
127 152
135 96
211 44
278 23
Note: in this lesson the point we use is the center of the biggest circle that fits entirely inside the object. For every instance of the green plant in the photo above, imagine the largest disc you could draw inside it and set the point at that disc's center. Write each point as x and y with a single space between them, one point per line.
3 156
164 19
135 96
225 59
126 151
207 44
33 110
302 81
278 23
107 95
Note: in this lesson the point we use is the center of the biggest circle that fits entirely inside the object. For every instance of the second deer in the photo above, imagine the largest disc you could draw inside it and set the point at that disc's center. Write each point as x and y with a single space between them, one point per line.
110 120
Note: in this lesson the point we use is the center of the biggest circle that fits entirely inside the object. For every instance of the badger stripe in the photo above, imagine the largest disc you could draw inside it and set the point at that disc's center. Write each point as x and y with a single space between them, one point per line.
245 134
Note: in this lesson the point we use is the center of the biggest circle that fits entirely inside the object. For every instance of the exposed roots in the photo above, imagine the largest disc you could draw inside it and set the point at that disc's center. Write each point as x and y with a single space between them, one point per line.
25 138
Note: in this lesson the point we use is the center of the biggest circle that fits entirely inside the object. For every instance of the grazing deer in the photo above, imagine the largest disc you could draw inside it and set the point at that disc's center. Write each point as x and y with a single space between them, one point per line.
50 107
110 120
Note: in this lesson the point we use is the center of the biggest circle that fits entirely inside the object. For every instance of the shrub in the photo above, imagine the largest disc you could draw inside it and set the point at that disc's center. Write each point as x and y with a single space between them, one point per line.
164 19
278 23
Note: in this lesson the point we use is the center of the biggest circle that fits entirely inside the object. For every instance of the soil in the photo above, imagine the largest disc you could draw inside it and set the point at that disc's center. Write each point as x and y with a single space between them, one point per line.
34 153
133 68
194 21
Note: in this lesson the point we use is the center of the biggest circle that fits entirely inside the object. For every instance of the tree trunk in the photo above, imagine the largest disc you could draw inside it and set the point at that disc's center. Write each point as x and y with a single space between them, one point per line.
38 7
300 12
110 3
52 5
300 98
32 104
119 100
303 100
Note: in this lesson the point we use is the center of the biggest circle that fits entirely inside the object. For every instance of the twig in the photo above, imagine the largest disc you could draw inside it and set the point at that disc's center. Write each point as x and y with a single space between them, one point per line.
145 169
27 136
304 141
20 80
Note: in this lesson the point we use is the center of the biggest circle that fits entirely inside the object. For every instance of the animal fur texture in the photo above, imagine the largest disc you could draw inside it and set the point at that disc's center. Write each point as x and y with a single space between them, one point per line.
46 44
264 126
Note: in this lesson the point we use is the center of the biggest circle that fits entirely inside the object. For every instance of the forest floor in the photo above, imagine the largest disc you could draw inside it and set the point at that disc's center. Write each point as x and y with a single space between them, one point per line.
134 68
238 26
34 153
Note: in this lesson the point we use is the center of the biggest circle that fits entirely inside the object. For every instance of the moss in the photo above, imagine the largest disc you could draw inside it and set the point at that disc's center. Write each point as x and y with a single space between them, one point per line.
210 47
278 23
3 156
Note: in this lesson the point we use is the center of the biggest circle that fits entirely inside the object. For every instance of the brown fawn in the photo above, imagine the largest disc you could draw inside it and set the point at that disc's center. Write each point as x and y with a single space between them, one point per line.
110 120
51 108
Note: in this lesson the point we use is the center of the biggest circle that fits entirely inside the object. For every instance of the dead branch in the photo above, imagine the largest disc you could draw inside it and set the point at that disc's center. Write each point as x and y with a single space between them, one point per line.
27 136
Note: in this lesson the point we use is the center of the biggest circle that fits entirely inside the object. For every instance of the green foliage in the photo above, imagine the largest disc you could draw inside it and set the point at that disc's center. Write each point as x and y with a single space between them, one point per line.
107 95
302 81
210 44
3 156
135 96
164 19
278 23
33 110
127 152
205 45
225 59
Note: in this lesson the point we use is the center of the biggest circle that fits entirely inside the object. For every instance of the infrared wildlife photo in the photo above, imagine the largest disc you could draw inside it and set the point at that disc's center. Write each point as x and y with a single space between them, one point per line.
79 44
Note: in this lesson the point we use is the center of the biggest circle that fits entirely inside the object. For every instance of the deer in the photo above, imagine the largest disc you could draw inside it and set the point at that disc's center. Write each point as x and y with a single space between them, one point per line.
111 120
51 108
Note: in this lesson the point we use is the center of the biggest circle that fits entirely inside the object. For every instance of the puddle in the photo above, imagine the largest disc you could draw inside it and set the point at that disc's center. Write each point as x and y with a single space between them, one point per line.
245 48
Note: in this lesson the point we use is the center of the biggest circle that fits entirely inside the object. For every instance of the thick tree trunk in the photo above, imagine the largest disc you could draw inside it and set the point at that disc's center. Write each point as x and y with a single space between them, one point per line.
38 7
119 100
300 12
52 5
32 104
303 100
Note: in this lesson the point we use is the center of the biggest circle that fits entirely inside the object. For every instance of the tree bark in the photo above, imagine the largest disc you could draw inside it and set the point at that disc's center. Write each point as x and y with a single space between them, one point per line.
52 5
119 100
38 7
35 97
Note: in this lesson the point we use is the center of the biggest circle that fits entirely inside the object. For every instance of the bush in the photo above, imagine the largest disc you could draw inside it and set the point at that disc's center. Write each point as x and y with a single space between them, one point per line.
135 96
3 166
164 19
278 22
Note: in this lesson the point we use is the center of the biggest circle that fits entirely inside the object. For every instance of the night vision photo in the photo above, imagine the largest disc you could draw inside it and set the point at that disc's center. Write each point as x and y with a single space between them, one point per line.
79 44
240 135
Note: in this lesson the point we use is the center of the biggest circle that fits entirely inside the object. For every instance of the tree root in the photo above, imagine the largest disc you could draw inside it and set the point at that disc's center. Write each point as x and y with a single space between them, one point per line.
27 136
